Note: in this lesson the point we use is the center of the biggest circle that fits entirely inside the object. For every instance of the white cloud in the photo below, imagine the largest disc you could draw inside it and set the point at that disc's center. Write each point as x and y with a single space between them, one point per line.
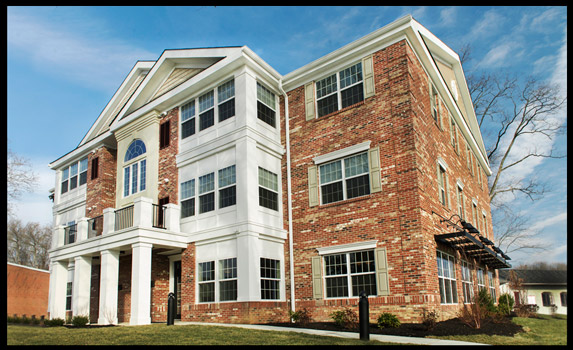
448 16
487 26
61 49
497 56
540 225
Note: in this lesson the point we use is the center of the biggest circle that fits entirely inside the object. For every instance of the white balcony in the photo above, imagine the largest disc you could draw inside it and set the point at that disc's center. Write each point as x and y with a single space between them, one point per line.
142 222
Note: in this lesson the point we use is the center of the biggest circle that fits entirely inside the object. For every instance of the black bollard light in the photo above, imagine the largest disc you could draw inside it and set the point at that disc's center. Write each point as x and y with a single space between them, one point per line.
170 309
363 317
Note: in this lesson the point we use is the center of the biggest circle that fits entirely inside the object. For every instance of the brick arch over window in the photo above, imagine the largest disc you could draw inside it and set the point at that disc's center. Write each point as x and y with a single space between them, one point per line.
135 149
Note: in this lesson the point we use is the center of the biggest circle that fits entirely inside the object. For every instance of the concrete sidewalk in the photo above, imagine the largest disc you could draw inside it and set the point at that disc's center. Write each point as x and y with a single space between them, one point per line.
379 337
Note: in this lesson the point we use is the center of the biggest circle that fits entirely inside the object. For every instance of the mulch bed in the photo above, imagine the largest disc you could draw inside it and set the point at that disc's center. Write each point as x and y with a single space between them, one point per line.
449 327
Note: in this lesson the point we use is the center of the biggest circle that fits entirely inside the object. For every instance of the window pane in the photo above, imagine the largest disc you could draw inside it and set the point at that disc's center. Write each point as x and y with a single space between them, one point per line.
206 271
335 264
365 283
134 178
270 268
351 75
206 101
330 172
135 149
352 95
361 262
268 199
188 128
227 197
226 91
265 96
83 177
266 114
268 179
270 289
228 268
356 165
327 105
83 165
227 176
188 189
207 292
142 175
332 193
227 110
207 202
336 287
206 119
326 86
74 169
73 182
188 111
206 183
228 290
126 181
188 208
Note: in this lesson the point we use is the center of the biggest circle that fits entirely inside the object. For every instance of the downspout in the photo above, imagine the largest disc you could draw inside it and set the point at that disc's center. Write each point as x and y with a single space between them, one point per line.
289 199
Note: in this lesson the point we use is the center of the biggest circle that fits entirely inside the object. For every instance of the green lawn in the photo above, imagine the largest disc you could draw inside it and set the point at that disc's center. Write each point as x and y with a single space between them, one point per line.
161 334
545 330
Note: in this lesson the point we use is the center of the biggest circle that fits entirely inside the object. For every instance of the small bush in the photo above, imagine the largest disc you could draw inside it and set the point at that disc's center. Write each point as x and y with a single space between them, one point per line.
505 304
301 317
526 310
485 300
55 322
80 321
387 320
430 319
346 318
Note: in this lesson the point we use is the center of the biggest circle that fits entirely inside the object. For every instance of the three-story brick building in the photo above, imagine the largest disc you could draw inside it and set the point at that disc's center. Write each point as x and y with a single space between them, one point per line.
248 193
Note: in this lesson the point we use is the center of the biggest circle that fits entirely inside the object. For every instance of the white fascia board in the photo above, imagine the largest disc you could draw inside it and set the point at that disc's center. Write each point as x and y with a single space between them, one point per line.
81 151
355 50
177 95
341 153
343 248
140 66
451 57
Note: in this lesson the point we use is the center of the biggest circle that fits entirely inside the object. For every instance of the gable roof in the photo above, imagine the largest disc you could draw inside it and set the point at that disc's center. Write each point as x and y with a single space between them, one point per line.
537 277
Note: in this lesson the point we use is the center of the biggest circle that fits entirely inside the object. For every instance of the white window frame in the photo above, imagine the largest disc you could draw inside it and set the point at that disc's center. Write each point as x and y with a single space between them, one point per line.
348 273
447 281
491 282
140 179
81 168
338 88
344 177
218 277
467 282
276 279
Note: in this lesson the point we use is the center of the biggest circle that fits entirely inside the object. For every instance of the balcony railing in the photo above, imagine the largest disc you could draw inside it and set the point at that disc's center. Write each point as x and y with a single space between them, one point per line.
95 226
70 234
143 214
158 216
123 218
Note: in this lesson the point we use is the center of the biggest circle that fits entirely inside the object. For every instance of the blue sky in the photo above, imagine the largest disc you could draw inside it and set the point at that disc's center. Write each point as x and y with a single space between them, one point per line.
65 63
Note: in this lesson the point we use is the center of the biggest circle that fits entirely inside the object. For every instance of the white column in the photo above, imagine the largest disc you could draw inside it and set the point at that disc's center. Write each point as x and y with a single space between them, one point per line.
108 221
143 212
248 267
81 286
82 229
141 284
58 237
109 276
172 217
58 285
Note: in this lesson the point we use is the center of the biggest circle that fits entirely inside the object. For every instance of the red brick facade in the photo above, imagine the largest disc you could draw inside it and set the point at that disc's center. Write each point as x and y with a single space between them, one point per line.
167 165
101 190
27 291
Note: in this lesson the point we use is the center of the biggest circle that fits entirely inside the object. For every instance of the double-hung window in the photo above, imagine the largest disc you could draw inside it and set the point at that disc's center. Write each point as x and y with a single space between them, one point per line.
266 108
467 282
447 278
75 175
345 178
227 188
442 184
226 100
347 274
434 103
453 134
339 90
460 196
206 110
135 172
218 282
69 296
480 279
188 198
188 119
268 189
206 193
547 299
491 284
270 279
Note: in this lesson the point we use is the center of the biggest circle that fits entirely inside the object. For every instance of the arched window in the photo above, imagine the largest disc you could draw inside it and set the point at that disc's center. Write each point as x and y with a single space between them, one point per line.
135 149
134 174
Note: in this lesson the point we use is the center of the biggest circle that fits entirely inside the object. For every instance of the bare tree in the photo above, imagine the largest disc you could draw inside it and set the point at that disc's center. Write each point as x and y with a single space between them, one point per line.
510 112
21 178
28 244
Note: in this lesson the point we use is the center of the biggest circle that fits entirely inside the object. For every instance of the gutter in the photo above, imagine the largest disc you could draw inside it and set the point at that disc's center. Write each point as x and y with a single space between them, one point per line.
289 199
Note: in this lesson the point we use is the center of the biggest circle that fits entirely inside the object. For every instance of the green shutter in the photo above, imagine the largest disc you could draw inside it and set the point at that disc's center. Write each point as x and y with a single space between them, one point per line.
309 100
375 174
312 186
316 277
381 271
368 71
